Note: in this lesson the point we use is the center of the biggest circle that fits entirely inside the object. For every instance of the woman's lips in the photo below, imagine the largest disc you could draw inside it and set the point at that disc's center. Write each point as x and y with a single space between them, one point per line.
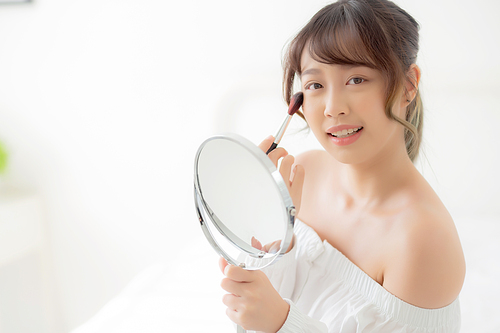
345 140
334 129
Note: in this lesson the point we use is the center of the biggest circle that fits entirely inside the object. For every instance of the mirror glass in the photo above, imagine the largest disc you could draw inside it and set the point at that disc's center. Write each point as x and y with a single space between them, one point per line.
242 201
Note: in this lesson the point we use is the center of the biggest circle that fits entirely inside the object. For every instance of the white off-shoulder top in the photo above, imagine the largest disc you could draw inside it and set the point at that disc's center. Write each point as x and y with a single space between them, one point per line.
329 293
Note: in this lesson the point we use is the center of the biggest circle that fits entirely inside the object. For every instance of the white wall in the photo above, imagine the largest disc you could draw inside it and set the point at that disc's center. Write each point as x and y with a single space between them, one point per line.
104 102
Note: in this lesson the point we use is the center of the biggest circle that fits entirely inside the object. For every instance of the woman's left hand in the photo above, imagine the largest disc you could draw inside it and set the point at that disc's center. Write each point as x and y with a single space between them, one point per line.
252 302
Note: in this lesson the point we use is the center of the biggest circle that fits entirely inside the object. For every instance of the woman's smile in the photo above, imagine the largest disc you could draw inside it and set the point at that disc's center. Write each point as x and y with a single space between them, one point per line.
344 135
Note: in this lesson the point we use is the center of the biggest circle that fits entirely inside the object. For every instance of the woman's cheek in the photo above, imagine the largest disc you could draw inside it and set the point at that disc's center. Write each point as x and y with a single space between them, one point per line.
309 110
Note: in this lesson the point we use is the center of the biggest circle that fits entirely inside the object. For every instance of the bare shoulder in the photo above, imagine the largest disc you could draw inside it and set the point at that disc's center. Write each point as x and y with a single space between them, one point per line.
312 157
315 162
427 268
319 167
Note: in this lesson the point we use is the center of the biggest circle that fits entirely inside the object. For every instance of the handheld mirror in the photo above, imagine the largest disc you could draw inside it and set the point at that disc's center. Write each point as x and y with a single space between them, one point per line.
242 202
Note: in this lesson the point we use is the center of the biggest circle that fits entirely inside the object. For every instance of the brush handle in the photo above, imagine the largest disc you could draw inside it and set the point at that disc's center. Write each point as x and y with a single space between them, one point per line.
280 133
273 147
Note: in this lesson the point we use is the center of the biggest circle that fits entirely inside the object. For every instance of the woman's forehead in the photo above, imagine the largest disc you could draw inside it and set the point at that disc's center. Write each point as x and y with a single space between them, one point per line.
310 66
308 63
343 46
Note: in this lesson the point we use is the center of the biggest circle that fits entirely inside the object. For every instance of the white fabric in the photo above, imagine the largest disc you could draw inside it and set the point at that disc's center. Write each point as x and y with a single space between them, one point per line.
329 293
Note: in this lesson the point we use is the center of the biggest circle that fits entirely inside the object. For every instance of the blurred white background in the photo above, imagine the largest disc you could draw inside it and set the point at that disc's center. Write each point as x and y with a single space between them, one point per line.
103 104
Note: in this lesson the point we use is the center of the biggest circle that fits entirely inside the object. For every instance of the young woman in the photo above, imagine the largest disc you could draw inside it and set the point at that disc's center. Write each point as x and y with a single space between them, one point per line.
374 250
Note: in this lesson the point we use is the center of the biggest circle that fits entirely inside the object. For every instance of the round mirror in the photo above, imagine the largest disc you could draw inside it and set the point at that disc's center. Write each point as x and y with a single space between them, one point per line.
242 202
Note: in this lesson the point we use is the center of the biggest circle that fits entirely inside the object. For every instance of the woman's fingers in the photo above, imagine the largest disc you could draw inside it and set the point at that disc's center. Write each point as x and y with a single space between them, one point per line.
222 264
296 185
234 307
266 143
276 154
231 286
236 279
252 302
233 315
286 169
293 181
256 244
238 274
235 273
231 301
272 247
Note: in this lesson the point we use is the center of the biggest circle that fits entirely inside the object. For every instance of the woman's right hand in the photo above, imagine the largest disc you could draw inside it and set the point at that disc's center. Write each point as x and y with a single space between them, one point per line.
294 179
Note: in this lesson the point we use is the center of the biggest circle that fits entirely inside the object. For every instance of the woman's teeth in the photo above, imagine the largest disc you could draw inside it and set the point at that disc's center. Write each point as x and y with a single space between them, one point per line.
346 132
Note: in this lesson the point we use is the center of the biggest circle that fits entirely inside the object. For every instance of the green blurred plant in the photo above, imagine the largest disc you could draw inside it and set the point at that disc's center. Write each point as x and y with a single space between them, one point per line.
4 157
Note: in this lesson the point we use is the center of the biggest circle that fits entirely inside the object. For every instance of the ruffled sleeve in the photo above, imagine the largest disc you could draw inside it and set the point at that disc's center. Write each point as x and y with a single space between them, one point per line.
298 322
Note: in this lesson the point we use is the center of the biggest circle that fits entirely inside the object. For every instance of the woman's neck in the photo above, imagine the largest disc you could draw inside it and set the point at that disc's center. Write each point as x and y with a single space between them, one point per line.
370 184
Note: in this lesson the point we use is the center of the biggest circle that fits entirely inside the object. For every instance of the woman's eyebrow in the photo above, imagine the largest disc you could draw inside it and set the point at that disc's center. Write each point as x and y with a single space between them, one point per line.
310 71
343 67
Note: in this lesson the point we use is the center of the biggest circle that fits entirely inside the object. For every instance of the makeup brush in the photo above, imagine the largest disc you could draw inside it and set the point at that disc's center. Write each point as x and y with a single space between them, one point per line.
295 104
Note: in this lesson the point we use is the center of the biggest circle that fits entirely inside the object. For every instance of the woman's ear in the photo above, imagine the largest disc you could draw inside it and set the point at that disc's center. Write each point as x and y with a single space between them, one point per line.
411 85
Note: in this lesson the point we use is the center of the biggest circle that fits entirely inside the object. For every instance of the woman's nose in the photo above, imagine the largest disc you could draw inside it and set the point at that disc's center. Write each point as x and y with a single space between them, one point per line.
331 114
334 107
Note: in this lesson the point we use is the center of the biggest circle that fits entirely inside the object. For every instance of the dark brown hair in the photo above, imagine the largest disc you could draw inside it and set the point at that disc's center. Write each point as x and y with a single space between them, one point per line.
373 33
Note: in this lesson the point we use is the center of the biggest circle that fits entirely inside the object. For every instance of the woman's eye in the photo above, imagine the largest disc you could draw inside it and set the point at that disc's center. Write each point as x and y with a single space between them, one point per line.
314 86
356 80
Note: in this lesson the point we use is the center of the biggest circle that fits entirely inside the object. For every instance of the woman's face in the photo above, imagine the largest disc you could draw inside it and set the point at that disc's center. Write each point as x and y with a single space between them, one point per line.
344 106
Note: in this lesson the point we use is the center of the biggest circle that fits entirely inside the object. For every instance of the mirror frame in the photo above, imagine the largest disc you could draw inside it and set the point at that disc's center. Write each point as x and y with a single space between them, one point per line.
203 210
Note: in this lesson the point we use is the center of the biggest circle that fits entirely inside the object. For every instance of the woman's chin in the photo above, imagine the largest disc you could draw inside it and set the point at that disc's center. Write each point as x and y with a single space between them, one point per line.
347 156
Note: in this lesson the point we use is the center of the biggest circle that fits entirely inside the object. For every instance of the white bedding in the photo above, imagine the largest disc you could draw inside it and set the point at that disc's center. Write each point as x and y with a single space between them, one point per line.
184 294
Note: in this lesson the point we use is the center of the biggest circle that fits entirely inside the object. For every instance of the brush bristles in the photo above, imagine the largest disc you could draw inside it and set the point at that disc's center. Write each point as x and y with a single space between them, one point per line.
295 103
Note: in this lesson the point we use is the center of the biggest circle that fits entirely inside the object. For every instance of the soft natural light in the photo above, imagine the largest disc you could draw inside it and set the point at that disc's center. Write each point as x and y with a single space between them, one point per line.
104 104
